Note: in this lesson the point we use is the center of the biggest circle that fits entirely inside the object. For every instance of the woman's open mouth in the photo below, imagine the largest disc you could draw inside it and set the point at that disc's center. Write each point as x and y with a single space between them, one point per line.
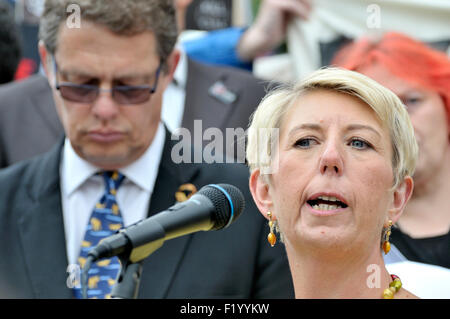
326 203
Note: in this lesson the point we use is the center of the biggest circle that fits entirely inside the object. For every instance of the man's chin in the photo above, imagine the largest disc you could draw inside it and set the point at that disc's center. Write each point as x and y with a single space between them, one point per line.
107 159
108 163
109 156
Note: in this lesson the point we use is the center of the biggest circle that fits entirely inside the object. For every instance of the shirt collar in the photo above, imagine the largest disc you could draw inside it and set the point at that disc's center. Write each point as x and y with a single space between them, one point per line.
142 172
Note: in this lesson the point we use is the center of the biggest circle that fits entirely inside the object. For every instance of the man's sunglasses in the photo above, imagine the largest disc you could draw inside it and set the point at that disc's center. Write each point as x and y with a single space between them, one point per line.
122 94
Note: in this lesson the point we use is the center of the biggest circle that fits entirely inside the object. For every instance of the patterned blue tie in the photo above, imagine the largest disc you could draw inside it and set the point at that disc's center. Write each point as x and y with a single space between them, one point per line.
105 221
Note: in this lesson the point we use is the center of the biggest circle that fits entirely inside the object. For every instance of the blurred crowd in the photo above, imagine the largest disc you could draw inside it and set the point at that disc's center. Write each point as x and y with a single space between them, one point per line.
283 41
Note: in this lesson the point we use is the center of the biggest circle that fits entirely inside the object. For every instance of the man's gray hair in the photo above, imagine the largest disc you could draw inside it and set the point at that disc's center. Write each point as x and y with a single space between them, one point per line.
122 17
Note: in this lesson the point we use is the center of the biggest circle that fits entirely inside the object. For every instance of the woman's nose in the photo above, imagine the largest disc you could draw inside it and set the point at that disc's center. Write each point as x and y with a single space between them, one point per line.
331 161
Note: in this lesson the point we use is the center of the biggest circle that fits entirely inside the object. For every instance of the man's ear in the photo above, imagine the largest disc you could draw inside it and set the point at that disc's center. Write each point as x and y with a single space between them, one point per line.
45 59
172 63
401 196
259 189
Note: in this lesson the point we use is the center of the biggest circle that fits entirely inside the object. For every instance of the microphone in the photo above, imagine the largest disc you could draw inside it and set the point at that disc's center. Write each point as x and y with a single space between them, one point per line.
213 207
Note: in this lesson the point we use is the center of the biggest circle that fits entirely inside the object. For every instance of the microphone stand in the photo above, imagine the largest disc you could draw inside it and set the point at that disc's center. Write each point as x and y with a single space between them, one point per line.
128 281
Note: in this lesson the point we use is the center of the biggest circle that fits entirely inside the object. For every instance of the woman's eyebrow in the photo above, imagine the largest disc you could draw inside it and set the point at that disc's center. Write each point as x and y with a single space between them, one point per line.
306 126
354 127
318 127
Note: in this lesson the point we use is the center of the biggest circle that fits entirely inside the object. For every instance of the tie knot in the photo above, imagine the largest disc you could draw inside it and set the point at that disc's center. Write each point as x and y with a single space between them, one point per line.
112 179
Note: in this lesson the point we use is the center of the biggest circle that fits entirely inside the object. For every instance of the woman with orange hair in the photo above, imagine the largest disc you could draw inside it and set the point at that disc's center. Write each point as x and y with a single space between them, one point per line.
420 76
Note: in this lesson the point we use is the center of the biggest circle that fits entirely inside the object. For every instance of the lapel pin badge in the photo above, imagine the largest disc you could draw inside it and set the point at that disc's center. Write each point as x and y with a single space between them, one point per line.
185 192
220 92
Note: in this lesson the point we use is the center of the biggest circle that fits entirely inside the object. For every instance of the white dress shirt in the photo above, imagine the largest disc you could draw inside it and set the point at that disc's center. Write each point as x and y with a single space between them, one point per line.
175 94
81 189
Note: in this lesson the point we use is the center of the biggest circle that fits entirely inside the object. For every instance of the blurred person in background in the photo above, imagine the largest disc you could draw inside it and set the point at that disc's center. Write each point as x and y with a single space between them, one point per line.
312 43
288 39
420 76
10 49
238 46
27 13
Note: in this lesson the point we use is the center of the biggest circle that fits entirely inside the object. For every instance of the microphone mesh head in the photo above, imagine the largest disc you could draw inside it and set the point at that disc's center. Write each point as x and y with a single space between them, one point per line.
228 202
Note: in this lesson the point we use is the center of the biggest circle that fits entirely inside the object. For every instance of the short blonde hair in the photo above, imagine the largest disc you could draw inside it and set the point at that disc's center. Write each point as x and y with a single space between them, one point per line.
388 107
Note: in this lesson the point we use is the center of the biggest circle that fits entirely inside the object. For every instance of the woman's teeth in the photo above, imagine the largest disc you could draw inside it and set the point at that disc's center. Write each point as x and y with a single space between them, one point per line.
325 207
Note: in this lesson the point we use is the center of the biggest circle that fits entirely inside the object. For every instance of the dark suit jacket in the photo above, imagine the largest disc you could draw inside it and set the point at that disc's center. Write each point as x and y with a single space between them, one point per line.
29 124
201 104
236 262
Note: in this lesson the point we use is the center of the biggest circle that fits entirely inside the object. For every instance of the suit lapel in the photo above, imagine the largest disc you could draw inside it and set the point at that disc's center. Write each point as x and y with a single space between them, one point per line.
41 230
160 267
200 104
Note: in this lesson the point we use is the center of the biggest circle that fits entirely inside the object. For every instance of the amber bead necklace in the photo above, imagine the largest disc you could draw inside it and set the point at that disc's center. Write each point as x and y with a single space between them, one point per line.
394 287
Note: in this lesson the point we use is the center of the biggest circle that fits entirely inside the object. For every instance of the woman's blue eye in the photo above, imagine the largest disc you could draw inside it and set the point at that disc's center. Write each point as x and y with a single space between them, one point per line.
304 142
359 144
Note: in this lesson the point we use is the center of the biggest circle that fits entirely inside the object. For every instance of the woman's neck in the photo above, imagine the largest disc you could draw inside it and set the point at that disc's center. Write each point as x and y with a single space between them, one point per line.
327 275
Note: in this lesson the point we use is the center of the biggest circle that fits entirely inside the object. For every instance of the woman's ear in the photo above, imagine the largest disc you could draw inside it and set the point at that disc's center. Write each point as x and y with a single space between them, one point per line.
260 192
401 196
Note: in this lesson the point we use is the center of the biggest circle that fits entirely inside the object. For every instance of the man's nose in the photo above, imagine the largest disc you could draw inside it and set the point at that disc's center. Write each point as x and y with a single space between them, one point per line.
104 106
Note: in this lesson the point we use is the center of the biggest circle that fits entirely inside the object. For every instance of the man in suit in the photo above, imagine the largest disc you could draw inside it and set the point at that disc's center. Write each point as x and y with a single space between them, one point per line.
188 98
108 99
